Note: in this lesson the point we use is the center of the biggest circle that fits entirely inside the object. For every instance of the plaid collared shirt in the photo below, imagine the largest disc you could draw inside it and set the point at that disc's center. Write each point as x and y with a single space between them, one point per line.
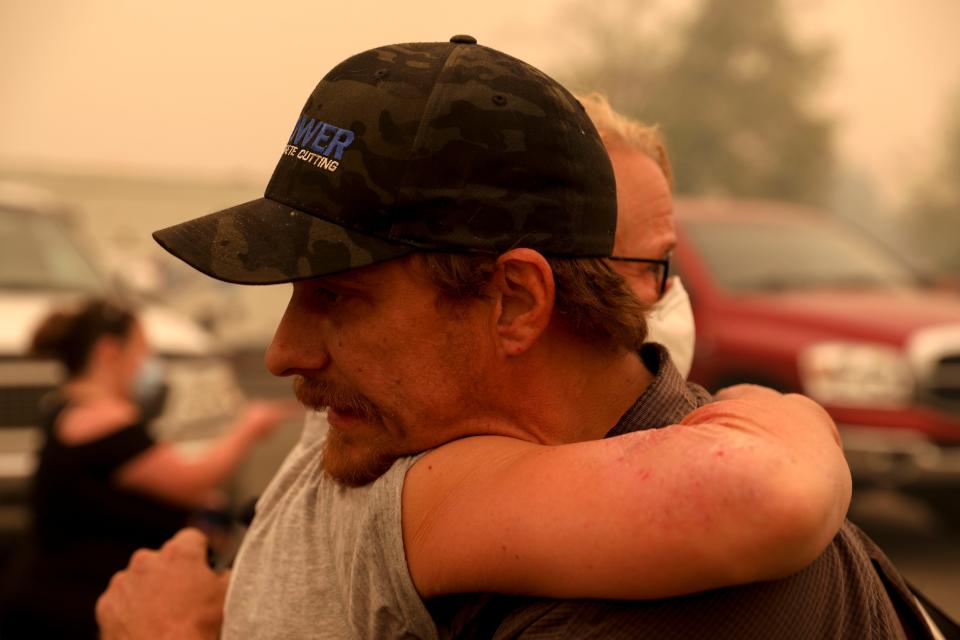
842 594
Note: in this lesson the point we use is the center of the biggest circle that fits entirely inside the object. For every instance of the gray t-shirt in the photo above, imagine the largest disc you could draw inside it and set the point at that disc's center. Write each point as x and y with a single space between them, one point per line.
324 561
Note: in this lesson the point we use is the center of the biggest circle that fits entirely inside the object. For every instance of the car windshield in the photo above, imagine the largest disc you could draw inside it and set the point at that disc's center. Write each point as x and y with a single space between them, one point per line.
37 252
781 254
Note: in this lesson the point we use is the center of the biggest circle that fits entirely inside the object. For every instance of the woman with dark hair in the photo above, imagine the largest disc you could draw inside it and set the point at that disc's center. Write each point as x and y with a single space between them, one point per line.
103 486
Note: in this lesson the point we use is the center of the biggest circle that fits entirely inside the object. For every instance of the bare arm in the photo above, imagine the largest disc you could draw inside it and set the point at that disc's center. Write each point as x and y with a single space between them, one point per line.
745 489
164 472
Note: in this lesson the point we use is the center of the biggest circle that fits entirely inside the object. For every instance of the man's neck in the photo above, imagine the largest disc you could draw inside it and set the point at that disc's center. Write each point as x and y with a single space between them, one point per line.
574 393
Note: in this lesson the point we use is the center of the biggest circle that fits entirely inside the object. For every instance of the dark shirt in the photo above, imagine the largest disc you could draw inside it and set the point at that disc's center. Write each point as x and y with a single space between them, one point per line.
842 594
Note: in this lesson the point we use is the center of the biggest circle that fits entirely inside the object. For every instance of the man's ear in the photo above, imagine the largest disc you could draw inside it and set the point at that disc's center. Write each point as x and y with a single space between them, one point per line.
523 288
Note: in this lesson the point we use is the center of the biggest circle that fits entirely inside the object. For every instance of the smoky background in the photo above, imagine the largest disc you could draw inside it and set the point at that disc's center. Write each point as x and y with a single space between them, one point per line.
133 116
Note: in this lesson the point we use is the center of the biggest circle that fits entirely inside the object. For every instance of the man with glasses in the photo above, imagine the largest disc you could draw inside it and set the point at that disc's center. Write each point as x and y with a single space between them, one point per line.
645 231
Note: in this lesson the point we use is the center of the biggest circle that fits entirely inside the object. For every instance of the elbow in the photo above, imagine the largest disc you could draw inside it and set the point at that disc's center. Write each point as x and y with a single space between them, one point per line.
166 474
803 509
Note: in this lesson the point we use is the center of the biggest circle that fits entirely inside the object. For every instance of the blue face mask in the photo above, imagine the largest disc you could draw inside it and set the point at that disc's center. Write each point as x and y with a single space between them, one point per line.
149 388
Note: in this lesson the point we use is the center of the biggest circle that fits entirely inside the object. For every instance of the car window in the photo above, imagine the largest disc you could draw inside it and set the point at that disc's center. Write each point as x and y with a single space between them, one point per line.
744 255
37 252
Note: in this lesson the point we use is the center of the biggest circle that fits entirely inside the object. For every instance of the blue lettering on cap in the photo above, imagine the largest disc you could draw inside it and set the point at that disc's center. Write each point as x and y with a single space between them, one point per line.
303 131
341 141
324 138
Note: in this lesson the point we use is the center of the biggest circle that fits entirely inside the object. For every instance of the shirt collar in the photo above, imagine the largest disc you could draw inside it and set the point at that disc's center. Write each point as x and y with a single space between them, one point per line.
666 400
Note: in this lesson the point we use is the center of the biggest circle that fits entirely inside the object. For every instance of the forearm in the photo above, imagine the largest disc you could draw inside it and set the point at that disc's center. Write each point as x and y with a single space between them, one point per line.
740 492
215 464
186 478
714 511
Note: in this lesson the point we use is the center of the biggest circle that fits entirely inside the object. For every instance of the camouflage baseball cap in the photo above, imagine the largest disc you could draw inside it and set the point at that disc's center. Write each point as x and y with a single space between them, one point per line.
450 147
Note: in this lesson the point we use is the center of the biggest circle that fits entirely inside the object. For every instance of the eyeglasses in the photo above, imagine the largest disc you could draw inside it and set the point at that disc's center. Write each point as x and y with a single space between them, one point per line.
660 270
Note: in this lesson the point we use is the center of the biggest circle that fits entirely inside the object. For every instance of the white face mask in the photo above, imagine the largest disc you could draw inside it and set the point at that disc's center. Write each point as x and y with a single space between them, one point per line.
670 323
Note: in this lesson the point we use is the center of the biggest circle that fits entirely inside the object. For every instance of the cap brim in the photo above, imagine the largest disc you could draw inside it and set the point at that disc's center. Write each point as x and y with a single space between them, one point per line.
265 242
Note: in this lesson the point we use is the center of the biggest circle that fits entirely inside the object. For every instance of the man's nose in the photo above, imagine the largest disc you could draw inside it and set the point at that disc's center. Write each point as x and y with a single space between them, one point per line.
297 345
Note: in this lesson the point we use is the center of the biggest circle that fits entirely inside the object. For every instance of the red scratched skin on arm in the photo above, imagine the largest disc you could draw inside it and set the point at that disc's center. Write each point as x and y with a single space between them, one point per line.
742 490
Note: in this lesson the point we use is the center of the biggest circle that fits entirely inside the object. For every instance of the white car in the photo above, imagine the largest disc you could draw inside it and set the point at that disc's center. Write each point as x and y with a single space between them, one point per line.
43 264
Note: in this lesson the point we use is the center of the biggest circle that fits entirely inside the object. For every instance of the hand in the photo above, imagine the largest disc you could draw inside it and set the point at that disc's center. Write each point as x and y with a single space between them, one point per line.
261 417
166 594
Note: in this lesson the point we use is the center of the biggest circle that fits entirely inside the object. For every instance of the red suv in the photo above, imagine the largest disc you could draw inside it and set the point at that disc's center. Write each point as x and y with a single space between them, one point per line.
788 297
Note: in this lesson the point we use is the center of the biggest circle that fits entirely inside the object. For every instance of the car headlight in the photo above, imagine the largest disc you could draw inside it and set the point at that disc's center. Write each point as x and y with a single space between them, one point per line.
856 374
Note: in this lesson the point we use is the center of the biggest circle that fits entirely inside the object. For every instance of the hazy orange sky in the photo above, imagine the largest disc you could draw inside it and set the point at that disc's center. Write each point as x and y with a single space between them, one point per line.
212 88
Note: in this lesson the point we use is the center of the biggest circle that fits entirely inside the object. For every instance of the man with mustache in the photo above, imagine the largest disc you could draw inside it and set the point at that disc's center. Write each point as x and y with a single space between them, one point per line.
449 286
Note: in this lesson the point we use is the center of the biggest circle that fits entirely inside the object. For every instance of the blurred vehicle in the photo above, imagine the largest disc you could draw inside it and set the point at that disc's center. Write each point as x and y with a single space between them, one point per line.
45 263
790 298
